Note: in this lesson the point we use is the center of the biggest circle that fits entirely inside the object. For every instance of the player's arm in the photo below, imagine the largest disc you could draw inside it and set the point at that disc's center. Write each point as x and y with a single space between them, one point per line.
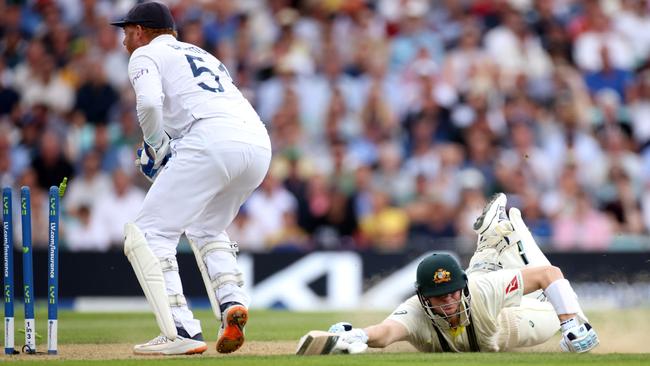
385 333
343 338
147 84
379 335
536 278
547 278
577 333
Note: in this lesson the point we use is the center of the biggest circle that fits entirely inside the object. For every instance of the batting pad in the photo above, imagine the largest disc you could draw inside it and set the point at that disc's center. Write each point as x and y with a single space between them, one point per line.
317 342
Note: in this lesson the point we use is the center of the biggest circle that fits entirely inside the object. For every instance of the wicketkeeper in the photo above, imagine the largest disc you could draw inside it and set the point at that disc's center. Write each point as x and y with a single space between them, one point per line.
511 296
205 150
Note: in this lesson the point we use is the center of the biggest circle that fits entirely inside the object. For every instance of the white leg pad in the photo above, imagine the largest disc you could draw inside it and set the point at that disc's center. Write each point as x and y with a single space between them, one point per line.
533 254
211 285
149 272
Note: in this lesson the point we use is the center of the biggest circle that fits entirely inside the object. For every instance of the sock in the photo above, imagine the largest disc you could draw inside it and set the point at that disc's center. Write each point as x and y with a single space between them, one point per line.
569 324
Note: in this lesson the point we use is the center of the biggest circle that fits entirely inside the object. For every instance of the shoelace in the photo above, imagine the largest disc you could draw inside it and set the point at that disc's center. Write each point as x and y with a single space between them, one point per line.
503 229
158 340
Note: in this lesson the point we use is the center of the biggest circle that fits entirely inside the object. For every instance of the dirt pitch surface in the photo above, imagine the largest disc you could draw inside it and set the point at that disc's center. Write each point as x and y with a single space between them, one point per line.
609 344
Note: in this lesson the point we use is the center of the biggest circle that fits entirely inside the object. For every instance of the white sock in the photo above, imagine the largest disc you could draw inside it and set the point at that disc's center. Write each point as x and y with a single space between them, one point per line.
569 324
562 297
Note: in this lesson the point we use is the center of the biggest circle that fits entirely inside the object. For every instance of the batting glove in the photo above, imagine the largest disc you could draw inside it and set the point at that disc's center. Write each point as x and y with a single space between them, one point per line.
578 338
351 340
151 160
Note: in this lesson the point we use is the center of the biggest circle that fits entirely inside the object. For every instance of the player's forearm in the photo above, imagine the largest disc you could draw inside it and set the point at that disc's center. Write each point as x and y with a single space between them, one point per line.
385 334
150 119
377 336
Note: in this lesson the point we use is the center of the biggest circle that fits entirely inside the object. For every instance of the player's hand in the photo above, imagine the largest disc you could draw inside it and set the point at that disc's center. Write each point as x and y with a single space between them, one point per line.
151 160
351 340
342 346
581 338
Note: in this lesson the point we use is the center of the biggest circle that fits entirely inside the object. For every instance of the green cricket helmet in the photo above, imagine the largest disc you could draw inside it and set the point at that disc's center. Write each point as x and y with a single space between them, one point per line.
437 275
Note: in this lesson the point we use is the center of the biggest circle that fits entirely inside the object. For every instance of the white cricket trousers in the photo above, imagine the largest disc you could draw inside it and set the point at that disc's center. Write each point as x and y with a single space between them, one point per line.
199 193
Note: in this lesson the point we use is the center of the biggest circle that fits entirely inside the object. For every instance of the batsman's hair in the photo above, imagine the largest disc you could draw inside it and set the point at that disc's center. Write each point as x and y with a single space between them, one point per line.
152 33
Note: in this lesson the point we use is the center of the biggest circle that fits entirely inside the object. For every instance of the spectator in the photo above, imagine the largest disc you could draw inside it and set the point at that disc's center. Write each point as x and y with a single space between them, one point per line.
113 58
90 184
517 50
95 97
386 228
581 226
469 66
291 238
589 45
8 97
267 206
86 234
639 109
50 164
413 35
608 77
45 86
623 205
117 206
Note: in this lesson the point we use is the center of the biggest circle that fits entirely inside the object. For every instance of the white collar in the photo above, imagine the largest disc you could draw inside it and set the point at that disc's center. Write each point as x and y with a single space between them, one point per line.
163 38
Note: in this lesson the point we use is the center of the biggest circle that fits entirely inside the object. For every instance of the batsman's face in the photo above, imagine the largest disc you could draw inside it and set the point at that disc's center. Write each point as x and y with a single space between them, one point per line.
446 304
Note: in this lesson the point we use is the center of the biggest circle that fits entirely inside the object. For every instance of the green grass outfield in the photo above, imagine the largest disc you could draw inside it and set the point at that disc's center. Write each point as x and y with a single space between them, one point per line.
105 339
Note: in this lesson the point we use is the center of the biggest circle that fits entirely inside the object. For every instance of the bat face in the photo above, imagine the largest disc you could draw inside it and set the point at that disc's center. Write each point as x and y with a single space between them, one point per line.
317 342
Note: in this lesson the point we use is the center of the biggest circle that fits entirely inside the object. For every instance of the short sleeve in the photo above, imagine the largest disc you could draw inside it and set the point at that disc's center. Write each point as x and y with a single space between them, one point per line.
496 290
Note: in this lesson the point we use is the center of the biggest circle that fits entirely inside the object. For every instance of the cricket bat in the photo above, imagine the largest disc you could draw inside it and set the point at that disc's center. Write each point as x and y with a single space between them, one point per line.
317 342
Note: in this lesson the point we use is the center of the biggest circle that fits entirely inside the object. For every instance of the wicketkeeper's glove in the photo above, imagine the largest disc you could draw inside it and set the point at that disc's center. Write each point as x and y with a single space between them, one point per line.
578 337
151 160
351 340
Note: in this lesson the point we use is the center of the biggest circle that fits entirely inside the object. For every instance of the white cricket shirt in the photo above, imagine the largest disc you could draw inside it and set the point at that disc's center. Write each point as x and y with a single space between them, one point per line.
177 83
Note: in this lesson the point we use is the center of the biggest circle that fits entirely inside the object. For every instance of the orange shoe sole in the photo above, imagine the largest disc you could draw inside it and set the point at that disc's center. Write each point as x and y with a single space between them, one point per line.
232 337
197 351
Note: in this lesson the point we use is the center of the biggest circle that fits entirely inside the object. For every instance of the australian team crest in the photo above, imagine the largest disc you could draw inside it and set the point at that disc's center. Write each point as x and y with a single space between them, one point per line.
441 276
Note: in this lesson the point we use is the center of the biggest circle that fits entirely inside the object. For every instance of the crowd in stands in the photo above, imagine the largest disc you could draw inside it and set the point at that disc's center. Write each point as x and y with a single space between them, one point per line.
392 121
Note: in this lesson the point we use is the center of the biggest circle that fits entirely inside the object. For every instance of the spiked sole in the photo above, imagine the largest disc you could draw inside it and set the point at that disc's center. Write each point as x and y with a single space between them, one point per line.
232 337
490 206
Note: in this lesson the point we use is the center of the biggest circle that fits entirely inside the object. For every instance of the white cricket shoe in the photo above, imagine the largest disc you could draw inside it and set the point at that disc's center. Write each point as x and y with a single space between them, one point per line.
493 226
578 338
231 333
162 345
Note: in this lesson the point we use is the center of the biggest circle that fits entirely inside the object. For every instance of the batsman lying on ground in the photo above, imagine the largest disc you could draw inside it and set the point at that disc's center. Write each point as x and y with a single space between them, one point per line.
510 297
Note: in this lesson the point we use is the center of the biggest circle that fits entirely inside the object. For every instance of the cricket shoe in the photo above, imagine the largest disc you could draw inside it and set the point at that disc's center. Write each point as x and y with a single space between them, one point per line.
493 226
233 320
578 338
182 345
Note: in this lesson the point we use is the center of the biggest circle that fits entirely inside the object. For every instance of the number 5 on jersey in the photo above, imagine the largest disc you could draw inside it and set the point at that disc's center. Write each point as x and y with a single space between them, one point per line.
198 70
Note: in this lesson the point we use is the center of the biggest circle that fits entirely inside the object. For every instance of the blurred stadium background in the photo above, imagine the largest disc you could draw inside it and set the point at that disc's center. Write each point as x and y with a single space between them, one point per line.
392 122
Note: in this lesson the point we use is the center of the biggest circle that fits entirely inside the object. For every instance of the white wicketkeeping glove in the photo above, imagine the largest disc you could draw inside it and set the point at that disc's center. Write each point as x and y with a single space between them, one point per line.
151 160
578 337
351 340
